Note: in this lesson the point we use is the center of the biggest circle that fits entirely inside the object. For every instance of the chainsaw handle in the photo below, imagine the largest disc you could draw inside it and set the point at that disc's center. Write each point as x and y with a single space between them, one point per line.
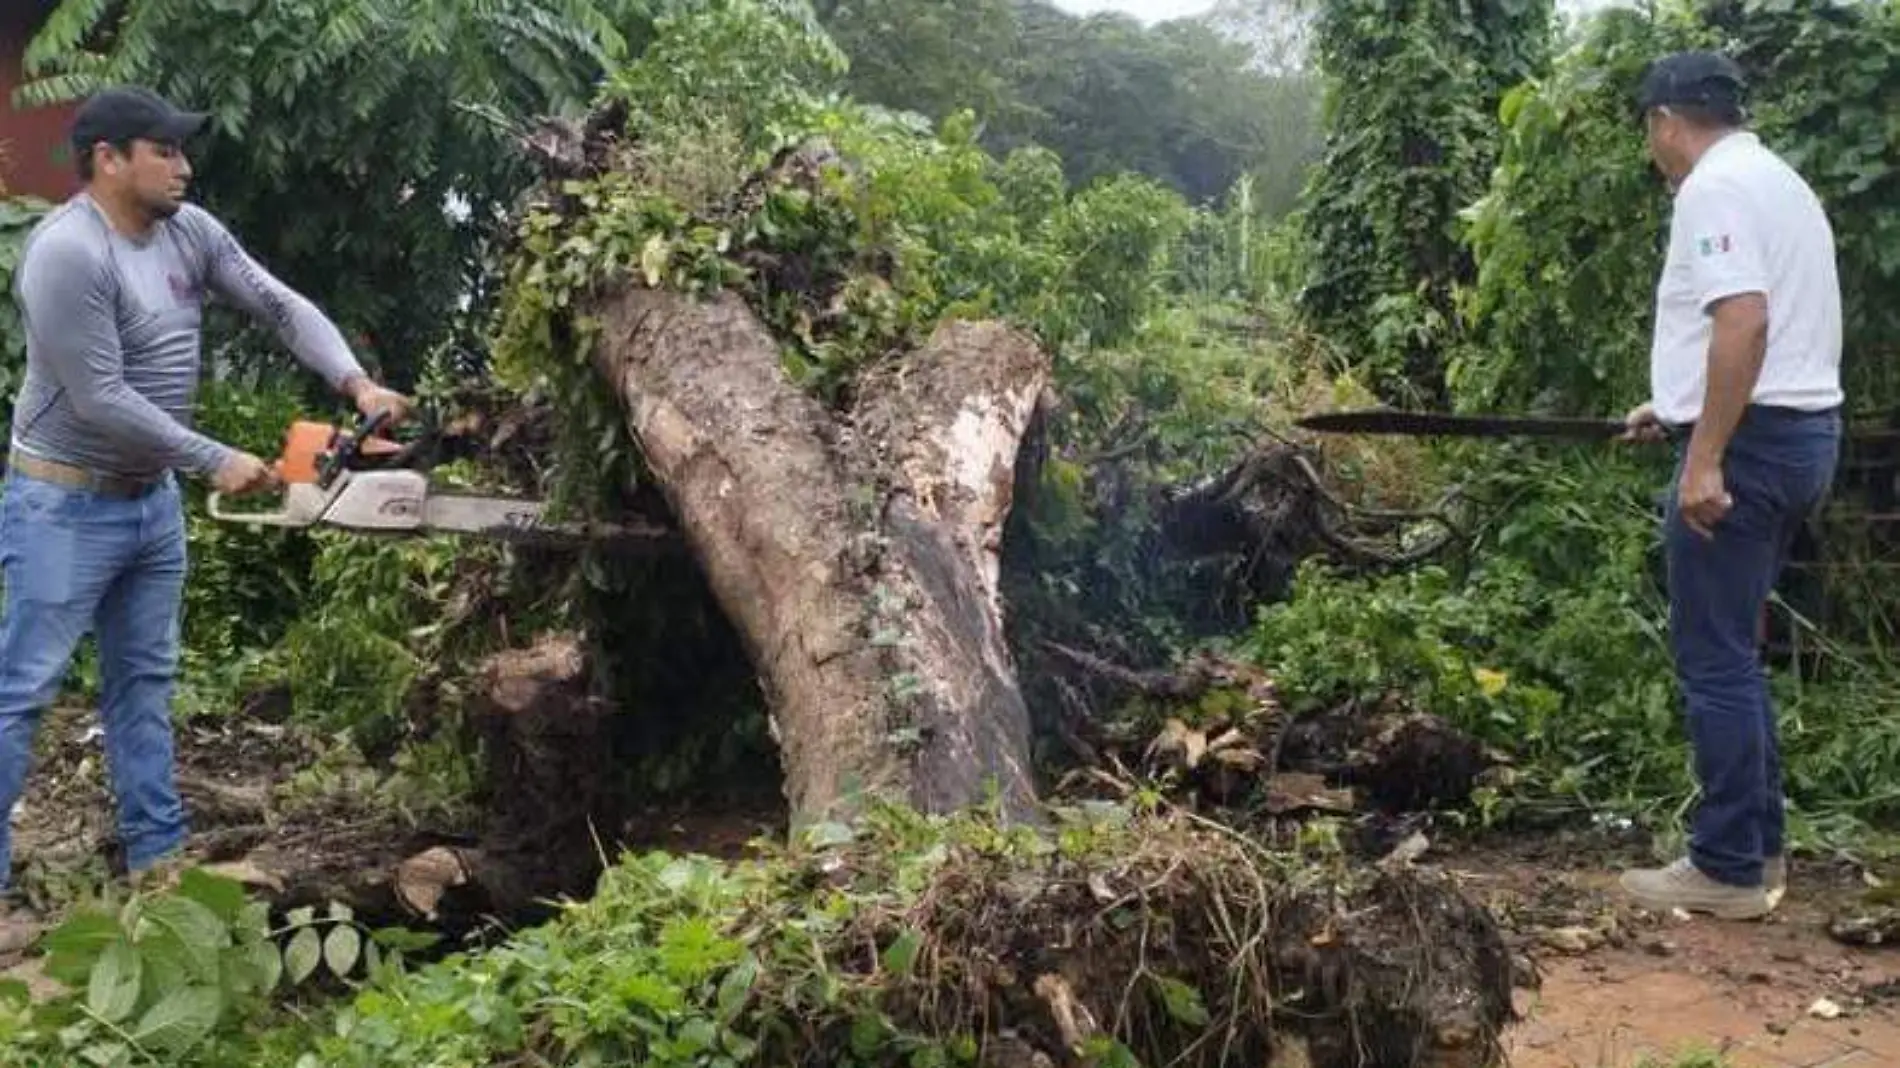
337 461
279 518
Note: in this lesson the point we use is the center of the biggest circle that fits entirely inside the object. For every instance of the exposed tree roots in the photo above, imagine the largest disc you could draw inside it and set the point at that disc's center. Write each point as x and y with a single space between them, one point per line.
1185 943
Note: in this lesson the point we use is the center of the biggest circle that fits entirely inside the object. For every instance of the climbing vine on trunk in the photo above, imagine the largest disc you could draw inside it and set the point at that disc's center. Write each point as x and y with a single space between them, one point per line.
1411 97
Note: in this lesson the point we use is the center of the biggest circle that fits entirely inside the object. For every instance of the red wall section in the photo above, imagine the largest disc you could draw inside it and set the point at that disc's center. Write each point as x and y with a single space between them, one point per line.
33 154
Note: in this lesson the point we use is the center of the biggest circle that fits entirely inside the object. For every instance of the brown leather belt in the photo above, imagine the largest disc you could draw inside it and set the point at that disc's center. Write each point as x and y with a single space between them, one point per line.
79 478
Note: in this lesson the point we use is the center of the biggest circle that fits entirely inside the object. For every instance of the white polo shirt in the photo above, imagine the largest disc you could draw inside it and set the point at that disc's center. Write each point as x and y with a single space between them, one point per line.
1745 222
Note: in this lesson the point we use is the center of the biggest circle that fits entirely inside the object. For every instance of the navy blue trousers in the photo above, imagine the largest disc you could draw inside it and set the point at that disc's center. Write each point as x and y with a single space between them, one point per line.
1777 468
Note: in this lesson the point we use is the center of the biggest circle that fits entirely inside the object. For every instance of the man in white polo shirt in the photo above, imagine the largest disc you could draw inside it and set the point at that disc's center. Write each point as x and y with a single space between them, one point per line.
1745 377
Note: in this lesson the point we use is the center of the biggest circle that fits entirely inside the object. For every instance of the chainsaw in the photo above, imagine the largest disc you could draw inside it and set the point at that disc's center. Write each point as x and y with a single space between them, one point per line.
360 481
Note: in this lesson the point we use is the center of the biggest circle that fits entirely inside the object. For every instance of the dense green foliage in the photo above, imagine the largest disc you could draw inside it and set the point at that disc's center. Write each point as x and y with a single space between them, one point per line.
1572 223
343 130
391 126
17 216
1551 644
1568 237
1524 283
1411 94
1563 595
1182 102
829 951
905 227
172 976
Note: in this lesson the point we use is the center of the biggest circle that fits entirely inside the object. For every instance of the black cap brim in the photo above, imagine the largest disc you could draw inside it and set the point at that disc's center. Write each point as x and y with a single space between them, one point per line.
180 126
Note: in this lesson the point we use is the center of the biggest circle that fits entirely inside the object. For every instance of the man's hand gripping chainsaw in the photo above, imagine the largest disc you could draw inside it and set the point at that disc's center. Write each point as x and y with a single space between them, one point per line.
357 481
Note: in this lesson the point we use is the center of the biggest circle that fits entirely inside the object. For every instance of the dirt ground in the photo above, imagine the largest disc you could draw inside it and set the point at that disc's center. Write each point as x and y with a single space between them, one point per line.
1618 986
1605 985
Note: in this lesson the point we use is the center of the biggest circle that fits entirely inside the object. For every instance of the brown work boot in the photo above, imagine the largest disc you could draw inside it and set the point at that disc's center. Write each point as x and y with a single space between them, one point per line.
1682 885
159 876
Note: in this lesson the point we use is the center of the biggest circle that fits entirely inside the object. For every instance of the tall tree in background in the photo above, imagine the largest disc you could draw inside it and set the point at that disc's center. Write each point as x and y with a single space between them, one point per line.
1189 103
934 57
1412 89
1181 102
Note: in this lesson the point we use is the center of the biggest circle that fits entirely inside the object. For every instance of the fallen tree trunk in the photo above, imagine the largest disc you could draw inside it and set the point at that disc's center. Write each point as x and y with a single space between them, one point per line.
858 553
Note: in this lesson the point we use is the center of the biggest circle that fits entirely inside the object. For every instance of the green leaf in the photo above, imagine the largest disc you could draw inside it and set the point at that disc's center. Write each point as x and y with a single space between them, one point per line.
342 948
112 991
300 916
653 259
1103 1051
74 947
303 955
1182 1001
742 1048
14 992
260 965
402 938
736 987
901 956
826 835
197 929
223 897
181 1020
254 919
106 1054
867 1034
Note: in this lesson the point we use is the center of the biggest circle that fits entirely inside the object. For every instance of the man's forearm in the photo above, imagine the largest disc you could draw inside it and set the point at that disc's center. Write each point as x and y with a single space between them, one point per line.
1737 344
131 421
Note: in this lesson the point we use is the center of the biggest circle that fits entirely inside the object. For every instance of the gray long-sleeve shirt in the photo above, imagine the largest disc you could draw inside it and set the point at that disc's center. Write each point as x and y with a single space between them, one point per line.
114 337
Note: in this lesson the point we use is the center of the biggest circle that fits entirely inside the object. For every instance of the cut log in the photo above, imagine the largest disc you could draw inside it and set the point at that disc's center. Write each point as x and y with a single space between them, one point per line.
856 553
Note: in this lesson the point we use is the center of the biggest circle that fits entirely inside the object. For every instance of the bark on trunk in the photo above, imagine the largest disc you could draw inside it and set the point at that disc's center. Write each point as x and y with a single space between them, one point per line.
857 554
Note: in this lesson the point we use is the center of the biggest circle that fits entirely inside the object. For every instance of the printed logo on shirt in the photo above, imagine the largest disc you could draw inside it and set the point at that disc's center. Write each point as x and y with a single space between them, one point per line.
1709 246
182 289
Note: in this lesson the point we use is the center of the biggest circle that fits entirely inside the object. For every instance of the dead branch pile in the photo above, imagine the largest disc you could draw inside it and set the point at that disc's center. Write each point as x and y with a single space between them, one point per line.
1214 732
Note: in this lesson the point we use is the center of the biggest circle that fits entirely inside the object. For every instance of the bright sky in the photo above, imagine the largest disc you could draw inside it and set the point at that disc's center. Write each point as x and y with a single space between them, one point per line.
1146 10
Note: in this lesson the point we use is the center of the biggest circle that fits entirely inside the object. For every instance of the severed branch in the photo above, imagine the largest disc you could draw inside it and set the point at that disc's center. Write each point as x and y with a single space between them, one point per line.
1277 484
1163 684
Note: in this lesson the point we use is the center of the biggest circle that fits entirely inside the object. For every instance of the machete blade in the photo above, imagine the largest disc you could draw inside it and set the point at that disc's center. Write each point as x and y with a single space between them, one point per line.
1442 424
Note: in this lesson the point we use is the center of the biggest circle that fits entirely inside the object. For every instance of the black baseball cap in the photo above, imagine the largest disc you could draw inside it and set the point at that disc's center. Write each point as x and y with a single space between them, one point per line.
121 114
1707 79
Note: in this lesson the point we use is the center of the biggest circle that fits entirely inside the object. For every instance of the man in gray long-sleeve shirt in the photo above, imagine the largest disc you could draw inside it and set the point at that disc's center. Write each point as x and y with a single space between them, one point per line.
111 286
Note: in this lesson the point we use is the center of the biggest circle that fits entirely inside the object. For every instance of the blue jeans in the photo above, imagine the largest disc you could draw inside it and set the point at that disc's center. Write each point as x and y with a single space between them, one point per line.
74 560
1777 468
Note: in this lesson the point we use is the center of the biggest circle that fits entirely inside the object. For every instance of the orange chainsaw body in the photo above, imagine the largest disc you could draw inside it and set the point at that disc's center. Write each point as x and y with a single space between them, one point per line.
306 444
